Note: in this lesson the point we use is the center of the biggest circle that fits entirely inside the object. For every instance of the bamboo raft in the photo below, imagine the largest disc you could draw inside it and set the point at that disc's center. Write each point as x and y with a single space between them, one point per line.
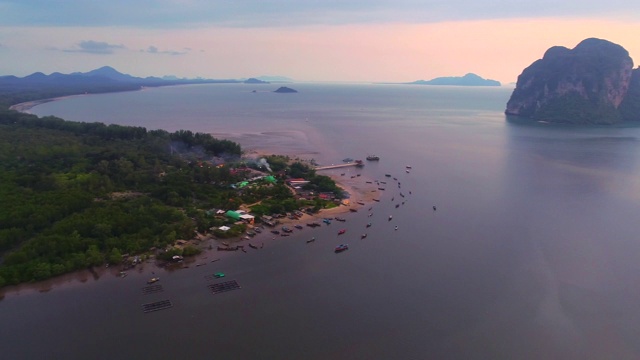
156 306
152 289
224 287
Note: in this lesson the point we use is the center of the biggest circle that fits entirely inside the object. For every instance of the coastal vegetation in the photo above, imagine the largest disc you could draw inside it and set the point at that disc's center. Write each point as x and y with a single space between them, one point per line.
78 194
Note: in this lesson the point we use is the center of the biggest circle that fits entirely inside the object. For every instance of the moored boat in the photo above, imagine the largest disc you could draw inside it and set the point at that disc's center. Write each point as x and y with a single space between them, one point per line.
341 248
373 158
153 280
342 231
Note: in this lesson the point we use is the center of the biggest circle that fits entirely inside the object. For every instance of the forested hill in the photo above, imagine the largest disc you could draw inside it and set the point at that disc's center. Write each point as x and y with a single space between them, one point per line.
78 194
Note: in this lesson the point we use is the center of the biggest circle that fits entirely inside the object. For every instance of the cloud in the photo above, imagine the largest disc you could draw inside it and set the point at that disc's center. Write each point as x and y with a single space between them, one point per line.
95 47
286 13
154 50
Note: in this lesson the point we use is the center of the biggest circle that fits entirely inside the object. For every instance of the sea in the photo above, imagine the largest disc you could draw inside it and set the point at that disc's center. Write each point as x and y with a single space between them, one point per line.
514 239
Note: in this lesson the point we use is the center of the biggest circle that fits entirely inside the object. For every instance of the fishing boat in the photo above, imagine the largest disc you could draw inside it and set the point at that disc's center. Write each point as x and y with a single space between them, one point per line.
369 225
353 210
326 221
373 158
311 240
363 236
359 202
153 280
376 200
341 248
390 217
396 227
342 231
387 175
340 219
298 226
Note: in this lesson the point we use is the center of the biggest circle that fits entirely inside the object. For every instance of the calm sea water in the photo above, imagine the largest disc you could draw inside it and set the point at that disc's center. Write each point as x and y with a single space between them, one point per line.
532 253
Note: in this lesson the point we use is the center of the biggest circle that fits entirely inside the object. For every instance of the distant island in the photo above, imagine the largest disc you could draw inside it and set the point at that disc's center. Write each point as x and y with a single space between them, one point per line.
255 81
285 90
469 79
593 83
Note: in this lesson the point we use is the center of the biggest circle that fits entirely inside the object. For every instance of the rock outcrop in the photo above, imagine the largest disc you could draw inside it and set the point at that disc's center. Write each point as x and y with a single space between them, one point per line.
584 85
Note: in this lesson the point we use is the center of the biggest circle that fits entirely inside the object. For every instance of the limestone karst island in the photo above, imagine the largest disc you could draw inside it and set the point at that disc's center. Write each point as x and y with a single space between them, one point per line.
593 83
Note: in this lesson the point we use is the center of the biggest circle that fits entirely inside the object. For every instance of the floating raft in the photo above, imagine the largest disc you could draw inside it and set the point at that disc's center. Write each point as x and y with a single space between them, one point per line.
211 277
155 306
152 289
224 287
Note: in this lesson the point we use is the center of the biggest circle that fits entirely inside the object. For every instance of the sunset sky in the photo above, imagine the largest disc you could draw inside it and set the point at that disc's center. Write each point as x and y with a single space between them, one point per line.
307 40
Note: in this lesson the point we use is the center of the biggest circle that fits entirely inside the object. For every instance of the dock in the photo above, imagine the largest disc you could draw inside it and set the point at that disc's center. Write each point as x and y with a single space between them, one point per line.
317 168
224 287
156 306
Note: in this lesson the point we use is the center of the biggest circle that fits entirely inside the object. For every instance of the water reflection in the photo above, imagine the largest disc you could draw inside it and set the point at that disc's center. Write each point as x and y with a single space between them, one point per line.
571 191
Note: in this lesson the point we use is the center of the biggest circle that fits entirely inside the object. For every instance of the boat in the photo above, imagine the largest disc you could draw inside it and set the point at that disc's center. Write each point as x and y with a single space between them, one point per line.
397 206
298 226
347 160
253 246
390 217
387 175
359 202
407 171
258 230
311 240
341 248
327 221
275 232
342 231
408 167
396 227
153 280
353 210
373 158
363 236
369 225
380 188
376 200
286 229
284 234
340 219
218 275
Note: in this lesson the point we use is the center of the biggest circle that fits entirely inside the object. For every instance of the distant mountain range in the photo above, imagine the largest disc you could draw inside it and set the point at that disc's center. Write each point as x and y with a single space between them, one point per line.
469 79
38 86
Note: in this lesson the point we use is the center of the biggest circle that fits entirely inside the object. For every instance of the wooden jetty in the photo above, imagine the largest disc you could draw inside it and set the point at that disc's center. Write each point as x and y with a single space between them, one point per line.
355 163
224 287
156 306
152 289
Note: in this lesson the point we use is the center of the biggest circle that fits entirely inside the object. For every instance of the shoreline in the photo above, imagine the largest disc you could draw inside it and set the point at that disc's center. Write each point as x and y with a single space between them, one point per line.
360 192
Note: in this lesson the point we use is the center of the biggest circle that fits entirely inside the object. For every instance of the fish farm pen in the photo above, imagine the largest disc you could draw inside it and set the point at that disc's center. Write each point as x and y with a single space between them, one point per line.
156 306
224 287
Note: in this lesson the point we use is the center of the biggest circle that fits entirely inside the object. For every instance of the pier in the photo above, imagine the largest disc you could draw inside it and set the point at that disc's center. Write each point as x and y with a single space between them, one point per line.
355 163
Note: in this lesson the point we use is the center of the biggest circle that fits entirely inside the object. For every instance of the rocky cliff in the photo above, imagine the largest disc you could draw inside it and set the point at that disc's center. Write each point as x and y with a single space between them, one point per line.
586 85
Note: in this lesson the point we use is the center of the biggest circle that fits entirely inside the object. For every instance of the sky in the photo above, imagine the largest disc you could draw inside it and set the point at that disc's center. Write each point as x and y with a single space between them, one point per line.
306 40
